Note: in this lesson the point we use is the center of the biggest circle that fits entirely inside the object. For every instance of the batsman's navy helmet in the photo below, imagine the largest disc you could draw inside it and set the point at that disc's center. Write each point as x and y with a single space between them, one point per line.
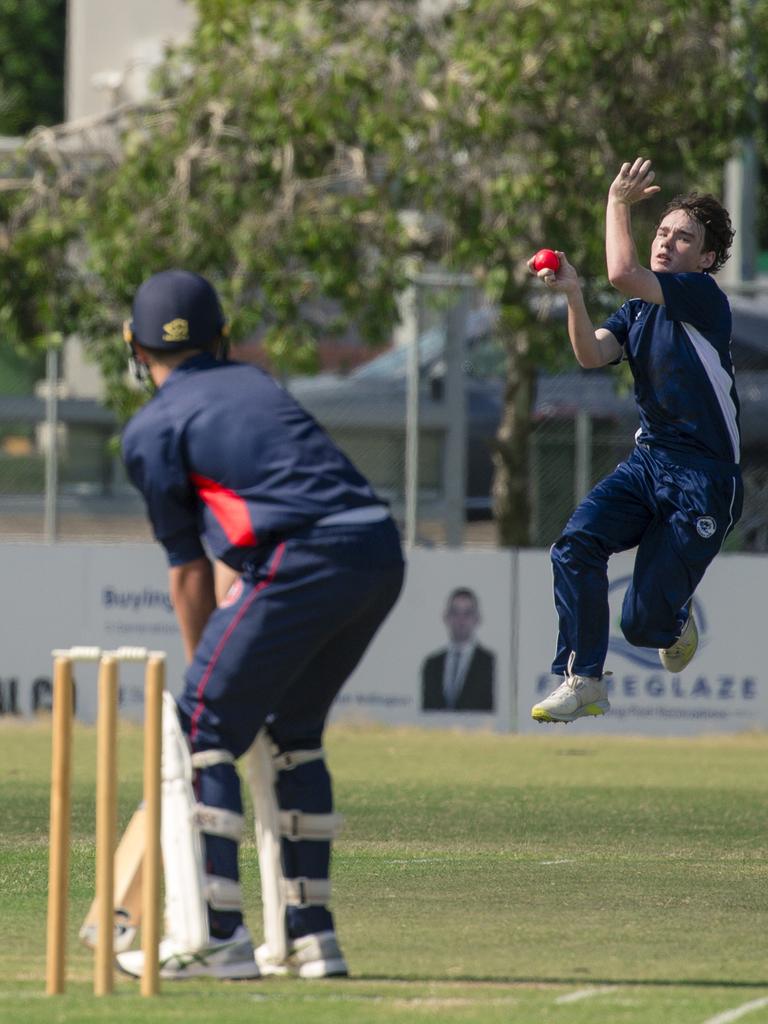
174 310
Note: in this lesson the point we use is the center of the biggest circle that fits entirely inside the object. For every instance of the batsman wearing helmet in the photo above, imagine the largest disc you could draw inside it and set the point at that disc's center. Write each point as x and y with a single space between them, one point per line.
232 469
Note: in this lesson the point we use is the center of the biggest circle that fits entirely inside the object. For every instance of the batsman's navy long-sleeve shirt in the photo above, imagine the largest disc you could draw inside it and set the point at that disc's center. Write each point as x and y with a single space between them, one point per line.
228 462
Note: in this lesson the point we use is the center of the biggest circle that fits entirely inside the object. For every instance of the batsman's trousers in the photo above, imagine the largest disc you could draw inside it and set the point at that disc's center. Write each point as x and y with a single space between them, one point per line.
279 649
677 510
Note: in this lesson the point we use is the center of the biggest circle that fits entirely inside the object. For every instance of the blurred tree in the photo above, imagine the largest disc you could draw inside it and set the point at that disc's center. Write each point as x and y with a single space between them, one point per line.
32 41
32 45
253 167
289 137
528 111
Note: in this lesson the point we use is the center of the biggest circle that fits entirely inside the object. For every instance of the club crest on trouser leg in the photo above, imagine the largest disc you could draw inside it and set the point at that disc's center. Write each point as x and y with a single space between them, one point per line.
706 526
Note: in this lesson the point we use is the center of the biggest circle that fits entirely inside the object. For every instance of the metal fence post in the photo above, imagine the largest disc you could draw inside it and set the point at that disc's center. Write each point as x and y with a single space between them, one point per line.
455 480
52 446
412 423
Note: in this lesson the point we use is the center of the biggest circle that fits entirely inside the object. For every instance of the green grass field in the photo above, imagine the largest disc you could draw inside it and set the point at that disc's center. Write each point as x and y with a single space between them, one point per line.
553 878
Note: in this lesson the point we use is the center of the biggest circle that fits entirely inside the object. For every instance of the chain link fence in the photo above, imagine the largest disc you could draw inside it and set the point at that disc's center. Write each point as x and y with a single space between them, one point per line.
405 425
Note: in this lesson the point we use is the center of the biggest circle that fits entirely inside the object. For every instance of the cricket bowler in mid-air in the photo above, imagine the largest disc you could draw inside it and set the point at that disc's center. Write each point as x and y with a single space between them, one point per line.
679 494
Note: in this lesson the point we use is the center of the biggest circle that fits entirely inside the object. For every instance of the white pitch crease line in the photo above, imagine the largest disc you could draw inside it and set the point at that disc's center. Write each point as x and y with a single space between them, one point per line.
739 1011
546 863
417 860
582 993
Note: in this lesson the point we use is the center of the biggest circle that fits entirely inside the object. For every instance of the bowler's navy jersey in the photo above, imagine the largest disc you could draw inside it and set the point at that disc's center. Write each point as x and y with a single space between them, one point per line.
227 461
680 357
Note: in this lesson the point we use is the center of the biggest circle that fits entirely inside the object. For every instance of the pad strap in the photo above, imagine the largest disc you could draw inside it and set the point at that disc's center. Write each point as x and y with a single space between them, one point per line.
306 892
209 758
216 821
293 758
297 825
223 893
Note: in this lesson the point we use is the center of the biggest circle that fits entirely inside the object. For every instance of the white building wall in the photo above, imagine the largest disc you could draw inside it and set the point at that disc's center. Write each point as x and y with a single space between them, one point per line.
112 47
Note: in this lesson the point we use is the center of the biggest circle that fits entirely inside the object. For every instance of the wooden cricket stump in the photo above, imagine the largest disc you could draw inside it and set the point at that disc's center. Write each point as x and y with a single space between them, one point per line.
106 813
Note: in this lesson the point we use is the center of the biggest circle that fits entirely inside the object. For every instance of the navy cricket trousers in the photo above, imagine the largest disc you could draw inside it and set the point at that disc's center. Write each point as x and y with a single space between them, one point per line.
676 515
277 652
285 646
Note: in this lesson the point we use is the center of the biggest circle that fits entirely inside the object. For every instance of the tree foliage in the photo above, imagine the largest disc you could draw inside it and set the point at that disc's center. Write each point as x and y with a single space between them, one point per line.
530 109
288 138
32 39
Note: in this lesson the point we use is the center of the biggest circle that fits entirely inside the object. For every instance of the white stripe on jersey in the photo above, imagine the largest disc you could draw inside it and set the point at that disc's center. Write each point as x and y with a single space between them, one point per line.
729 527
721 383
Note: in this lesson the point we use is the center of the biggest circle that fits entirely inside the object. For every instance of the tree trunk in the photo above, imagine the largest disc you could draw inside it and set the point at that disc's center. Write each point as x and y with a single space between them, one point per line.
510 492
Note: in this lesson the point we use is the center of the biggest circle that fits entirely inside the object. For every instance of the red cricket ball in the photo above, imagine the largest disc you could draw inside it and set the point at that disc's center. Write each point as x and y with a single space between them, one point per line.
546 259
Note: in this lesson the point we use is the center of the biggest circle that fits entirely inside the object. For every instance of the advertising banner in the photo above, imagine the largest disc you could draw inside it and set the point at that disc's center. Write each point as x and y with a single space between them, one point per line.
117 595
724 689
66 595
468 645
451 598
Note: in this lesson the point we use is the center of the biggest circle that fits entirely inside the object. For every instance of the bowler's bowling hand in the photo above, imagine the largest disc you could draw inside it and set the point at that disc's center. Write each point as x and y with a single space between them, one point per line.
563 280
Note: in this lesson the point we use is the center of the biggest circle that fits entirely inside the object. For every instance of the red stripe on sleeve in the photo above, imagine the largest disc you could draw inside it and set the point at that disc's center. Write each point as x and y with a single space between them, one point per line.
230 510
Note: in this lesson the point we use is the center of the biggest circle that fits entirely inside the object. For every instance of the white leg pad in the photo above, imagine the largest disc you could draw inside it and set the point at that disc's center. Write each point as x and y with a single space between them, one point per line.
186 912
272 825
261 778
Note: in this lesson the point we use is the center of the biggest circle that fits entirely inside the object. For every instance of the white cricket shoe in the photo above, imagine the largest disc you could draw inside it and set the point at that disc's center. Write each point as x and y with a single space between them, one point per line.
310 956
123 936
676 657
576 697
221 958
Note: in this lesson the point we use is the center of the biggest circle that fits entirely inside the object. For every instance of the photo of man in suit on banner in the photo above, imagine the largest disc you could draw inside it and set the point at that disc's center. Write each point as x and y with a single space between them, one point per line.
459 677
